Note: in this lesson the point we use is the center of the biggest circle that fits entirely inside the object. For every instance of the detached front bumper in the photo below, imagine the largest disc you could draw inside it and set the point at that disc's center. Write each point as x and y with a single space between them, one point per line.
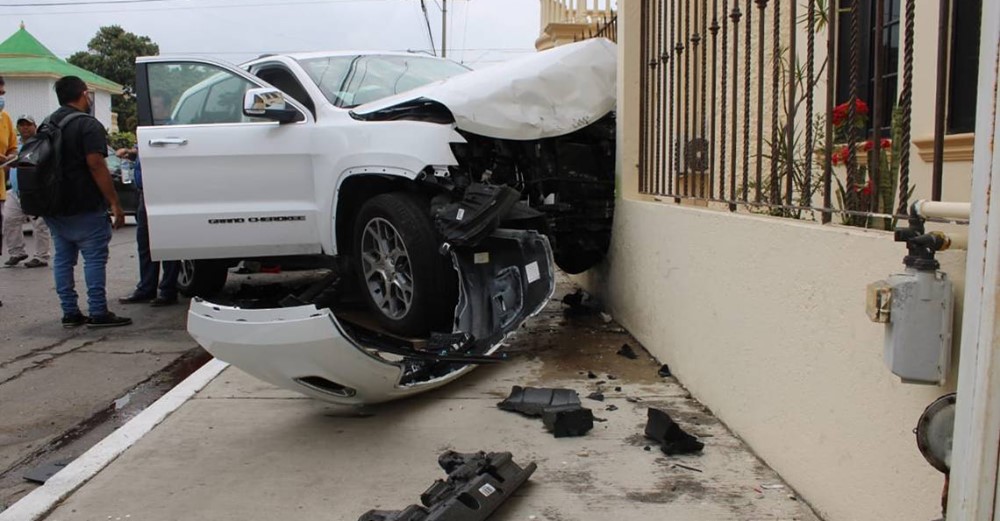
306 349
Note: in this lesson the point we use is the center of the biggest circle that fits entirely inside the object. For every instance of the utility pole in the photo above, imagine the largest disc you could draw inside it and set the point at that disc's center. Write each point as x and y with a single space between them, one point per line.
444 28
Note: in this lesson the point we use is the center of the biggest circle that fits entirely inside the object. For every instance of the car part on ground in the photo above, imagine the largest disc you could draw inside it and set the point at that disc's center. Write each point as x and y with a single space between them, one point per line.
314 351
202 278
477 485
661 428
560 409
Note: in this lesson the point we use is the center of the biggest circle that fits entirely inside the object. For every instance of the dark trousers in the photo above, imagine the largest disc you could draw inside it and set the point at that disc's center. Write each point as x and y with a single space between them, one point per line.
149 271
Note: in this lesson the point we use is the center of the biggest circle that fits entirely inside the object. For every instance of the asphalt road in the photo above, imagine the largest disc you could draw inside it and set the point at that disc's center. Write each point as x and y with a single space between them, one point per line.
62 390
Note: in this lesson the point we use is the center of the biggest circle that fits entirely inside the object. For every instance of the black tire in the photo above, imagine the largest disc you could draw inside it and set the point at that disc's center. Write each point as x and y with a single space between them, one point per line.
202 278
429 275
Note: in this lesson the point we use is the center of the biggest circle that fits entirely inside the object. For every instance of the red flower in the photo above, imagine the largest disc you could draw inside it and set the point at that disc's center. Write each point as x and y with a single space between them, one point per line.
840 156
840 112
868 145
868 189
886 143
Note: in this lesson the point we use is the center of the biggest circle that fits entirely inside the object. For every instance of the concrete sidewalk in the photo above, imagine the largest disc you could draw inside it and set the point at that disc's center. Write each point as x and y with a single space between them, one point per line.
244 450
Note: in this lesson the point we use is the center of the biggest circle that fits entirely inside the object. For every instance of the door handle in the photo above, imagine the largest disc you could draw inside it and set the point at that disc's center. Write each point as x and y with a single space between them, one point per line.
167 141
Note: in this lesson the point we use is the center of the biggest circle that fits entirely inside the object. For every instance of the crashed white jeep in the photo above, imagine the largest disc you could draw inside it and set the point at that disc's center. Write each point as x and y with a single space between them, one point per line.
439 195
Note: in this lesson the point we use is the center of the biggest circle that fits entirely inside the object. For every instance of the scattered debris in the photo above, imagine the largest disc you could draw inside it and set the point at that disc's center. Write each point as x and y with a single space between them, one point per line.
600 382
591 375
612 377
600 420
606 318
632 399
647 448
596 395
611 407
772 487
477 485
583 454
42 473
560 409
627 351
685 467
532 401
665 371
568 421
792 497
618 389
672 439
580 303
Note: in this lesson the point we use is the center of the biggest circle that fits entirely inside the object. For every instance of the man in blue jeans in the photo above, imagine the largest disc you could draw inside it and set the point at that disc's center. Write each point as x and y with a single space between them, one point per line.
82 227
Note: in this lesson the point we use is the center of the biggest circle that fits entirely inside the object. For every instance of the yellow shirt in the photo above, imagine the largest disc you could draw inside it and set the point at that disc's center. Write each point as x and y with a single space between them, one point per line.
8 146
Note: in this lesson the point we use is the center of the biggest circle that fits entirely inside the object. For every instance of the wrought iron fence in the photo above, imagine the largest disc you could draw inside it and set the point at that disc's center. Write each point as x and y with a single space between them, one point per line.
730 114
606 28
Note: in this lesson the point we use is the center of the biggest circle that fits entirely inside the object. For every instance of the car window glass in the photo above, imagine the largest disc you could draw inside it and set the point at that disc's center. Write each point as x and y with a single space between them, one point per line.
196 94
286 82
349 81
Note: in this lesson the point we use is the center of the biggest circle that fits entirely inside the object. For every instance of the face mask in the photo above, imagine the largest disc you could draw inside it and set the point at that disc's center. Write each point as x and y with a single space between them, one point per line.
3 102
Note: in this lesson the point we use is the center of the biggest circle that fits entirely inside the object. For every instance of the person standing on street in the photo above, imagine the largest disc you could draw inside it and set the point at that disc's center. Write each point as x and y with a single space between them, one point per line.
82 227
14 218
8 147
149 271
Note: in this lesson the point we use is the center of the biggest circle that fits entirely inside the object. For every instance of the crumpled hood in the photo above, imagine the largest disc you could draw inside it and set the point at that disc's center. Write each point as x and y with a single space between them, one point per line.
546 94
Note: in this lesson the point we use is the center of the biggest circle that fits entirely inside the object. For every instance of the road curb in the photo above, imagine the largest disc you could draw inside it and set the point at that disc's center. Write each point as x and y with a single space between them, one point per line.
42 500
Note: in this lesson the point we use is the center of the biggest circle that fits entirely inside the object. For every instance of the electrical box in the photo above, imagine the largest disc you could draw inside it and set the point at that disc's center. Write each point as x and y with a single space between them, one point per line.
919 326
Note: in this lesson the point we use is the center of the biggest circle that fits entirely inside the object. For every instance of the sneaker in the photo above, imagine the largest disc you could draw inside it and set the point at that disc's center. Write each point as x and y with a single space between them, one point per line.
108 319
14 261
35 263
74 320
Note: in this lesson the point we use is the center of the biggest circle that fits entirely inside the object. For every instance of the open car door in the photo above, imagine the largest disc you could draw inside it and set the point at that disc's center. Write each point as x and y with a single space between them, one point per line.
218 183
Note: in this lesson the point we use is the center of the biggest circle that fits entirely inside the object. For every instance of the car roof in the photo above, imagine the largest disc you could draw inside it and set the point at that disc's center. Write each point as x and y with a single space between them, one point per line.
331 54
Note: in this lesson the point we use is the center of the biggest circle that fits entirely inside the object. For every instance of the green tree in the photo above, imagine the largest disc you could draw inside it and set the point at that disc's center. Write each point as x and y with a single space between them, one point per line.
112 53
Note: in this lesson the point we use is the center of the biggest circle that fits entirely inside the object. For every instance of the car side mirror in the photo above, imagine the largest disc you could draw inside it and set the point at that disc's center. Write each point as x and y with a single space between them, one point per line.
270 104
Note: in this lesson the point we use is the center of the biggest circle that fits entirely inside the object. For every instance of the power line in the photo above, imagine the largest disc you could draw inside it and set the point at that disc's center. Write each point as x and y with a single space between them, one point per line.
94 2
184 8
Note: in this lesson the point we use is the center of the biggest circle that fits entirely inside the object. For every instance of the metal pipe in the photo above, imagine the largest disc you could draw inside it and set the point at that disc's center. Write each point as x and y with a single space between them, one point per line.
940 96
444 28
940 210
952 241
874 161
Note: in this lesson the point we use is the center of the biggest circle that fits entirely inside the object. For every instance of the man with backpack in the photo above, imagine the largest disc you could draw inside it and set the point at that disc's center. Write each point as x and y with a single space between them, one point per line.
14 218
67 182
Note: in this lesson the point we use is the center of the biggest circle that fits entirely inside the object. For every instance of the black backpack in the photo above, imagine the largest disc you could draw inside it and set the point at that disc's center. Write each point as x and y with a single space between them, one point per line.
40 177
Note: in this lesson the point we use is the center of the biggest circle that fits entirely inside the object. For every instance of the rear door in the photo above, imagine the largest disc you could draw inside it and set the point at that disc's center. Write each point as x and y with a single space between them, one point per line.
217 183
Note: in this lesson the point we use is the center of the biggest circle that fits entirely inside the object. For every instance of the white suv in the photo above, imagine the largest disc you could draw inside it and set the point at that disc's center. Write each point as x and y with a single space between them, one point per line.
438 190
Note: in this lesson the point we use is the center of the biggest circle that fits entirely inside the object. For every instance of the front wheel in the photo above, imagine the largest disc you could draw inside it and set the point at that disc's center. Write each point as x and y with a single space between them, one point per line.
411 288
202 278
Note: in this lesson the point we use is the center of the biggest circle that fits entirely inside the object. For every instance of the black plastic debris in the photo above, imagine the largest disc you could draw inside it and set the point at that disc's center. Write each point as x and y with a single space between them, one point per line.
599 396
591 375
647 448
618 388
568 421
42 473
580 303
612 377
632 399
672 439
476 486
600 420
665 371
627 351
560 409
611 407
532 401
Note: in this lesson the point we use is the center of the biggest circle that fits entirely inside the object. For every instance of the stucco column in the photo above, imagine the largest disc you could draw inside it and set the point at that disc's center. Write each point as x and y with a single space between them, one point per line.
629 69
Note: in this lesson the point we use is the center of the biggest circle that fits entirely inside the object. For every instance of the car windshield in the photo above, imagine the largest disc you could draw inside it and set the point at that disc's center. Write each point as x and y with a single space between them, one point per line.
349 81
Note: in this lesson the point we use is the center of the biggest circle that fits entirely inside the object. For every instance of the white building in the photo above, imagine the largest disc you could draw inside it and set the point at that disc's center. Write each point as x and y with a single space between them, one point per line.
30 72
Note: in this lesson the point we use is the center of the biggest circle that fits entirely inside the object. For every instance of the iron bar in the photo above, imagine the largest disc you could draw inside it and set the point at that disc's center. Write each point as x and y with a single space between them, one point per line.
668 59
678 50
790 117
735 15
940 97
831 50
643 106
746 101
810 94
852 109
906 103
686 137
775 189
722 123
657 97
715 61
874 161
761 6
704 95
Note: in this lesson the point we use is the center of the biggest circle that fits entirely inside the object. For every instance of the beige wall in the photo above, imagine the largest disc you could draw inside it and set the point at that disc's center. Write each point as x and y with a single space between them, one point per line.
763 320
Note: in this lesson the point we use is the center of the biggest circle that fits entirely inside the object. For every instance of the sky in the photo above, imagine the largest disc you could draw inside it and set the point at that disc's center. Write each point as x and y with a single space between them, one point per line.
480 32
